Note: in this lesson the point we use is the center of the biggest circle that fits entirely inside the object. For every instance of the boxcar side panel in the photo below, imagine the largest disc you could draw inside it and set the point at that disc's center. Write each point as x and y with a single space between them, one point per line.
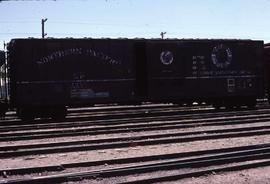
71 71
205 69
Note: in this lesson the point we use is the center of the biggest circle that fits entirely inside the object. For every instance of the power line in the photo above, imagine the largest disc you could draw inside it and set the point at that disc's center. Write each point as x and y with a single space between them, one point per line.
8 33
25 0
105 23
19 22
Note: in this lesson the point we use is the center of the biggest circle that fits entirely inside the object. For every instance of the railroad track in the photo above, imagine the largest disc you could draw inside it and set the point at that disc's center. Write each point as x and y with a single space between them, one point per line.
116 110
187 164
186 113
132 125
169 112
125 120
137 112
105 120
181 125
128 141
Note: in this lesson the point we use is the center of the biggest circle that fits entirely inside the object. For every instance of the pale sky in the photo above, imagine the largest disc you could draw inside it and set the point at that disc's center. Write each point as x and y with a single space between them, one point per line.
237 19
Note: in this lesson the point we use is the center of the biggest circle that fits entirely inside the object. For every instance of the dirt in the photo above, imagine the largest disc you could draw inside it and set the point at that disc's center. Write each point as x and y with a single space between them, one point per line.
135 151
128 134
251 176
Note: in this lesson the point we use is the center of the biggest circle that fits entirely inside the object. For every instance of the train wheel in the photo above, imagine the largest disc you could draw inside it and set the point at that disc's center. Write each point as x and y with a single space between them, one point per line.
251 104
238 106
2 113
229 107
3 109
25 114
59 113
217 105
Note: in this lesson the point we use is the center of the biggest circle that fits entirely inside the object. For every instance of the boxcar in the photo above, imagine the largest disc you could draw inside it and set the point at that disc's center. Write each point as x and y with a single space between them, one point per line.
221 72
47 75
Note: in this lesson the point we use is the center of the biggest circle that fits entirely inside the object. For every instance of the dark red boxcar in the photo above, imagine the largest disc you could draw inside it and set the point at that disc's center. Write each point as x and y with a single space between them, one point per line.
217 71
55 73
49 73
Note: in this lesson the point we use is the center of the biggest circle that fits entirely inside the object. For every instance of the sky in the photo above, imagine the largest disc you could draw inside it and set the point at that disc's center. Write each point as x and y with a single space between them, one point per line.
210 19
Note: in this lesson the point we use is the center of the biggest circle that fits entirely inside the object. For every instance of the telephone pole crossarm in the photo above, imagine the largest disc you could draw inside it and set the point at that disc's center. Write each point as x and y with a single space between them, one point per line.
162 34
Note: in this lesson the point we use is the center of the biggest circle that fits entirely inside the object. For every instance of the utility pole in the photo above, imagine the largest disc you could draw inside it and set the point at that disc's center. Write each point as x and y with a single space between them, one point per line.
5 45
42 27
162 34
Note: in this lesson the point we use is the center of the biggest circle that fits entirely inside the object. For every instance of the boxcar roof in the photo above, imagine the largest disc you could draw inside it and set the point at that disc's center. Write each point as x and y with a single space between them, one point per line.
134 39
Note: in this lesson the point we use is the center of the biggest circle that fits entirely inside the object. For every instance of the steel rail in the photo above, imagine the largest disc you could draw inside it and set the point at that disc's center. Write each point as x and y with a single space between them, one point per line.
201 173
61 167
87 118
125 128
216 160
134 126
107 121
135 141
170 126
96 116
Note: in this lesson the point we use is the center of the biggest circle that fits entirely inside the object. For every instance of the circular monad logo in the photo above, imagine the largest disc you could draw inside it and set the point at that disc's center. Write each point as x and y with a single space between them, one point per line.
221 56
166 57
